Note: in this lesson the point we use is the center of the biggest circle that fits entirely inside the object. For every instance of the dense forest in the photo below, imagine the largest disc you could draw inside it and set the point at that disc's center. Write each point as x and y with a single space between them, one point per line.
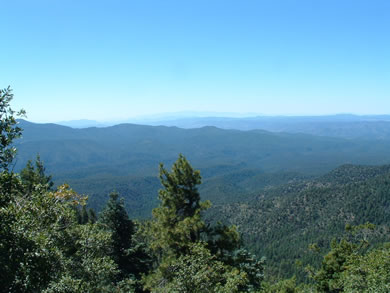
283 221
327 233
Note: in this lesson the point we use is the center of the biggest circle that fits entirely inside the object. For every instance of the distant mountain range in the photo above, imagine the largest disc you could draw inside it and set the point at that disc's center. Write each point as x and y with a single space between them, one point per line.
234 164
342 125
153 118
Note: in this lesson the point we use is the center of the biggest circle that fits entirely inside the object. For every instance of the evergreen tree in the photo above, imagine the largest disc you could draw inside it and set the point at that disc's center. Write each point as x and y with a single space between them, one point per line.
128 253
115 218
177 221
35 175
179 235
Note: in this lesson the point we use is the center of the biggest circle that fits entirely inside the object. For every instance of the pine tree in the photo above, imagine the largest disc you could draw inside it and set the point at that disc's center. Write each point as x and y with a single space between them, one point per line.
116 219
178 234
177 221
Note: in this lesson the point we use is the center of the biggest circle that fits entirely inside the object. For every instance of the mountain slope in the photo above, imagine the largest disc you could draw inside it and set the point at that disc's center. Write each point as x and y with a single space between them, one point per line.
97 160
282 222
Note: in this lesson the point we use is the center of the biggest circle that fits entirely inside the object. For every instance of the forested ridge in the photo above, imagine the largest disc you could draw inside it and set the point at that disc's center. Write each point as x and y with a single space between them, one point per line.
52 241
234 164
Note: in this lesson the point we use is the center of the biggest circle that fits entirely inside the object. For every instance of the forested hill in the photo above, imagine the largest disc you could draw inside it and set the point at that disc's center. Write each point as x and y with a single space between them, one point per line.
233 163
131 146
281 223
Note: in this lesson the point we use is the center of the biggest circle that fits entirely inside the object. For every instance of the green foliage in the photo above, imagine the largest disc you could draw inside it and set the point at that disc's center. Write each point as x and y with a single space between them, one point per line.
369 272
89 268
329 277
197 271
252 267
189 251
47 250
282 286
354 265
35 175
177 221
282 221
35 223
9 130
51 242
129 255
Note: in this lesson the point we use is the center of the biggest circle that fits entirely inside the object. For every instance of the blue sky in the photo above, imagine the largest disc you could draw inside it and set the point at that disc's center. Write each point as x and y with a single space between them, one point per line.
107 60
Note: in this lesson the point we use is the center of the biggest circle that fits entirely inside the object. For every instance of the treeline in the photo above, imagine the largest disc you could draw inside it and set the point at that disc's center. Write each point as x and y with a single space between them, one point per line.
51 242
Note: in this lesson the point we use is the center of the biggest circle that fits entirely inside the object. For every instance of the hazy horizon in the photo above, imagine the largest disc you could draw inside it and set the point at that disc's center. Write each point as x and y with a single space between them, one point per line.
118 60
183 115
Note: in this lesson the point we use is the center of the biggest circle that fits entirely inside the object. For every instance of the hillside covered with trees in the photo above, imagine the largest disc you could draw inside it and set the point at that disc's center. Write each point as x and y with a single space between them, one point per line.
235 164
283 221
52 241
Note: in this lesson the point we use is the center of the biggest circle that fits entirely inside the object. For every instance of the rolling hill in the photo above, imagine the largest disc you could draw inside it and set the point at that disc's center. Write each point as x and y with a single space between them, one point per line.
234 164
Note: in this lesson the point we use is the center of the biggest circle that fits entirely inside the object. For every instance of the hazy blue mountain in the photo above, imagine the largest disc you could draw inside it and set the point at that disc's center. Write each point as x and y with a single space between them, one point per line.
233 163
342 125
152 118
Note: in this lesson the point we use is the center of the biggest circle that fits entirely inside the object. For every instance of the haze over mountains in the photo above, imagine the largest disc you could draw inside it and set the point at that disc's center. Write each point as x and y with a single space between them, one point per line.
235 164
341 125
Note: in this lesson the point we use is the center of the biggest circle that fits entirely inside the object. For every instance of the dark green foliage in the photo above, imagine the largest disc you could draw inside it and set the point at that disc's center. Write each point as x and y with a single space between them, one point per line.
252 267
86 215
329 277
352 266
35 175
9 186
222 240
129 253
177 221
115 218
92 218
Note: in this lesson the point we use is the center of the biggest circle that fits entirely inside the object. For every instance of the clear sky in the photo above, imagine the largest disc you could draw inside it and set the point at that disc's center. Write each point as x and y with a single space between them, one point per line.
116 59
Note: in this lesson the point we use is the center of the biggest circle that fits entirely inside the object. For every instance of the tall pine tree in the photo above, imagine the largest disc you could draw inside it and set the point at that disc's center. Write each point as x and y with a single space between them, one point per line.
177 221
